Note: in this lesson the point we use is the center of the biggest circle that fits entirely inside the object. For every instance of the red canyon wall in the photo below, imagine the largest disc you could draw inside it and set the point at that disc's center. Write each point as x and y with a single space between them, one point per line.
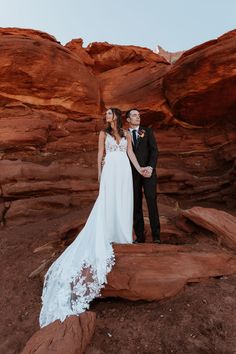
52 99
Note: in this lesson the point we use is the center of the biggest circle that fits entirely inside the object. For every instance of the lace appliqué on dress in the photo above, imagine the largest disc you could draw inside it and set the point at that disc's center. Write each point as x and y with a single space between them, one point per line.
112 145
74 294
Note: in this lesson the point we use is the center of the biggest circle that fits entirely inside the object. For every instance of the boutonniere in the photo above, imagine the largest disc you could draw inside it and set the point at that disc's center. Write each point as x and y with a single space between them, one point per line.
141 133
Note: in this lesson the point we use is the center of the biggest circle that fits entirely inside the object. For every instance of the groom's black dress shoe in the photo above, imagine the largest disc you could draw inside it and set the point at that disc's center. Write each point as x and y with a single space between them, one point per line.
157 241
137 241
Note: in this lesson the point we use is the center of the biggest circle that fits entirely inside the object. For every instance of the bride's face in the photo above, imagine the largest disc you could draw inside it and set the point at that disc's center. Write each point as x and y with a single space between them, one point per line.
109 116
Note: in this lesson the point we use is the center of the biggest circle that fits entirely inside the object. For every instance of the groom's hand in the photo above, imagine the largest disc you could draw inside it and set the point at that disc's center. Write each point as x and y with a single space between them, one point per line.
143 171
148 171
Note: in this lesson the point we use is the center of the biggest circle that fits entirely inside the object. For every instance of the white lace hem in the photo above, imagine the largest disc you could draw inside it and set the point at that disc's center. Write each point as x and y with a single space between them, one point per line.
64 296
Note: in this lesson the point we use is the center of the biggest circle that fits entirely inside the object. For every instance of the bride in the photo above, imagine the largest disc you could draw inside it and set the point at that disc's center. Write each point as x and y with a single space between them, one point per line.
78 275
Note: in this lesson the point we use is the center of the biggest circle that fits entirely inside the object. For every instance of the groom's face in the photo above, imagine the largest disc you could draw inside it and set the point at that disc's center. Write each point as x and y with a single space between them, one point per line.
134 117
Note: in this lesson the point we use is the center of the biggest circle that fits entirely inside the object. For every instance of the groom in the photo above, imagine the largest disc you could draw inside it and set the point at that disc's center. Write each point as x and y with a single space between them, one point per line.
146 151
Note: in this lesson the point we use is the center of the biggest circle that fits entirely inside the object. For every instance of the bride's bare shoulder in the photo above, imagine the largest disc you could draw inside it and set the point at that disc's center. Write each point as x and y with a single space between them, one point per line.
102 134
126 133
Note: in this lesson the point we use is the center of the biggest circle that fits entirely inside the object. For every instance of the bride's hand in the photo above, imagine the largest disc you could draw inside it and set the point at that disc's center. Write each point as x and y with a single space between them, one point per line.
145 172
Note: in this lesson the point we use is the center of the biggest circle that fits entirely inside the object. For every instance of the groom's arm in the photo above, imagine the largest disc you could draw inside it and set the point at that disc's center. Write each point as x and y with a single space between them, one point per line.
153 149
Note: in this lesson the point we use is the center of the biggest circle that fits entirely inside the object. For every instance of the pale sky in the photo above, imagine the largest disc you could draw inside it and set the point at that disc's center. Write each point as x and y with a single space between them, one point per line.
174 24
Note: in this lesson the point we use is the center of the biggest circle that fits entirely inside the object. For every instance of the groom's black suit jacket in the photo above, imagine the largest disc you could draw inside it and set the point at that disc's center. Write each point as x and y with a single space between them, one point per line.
146 150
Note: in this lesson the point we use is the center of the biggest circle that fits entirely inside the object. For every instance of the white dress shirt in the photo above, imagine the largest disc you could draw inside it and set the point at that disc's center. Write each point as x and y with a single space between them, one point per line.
131 131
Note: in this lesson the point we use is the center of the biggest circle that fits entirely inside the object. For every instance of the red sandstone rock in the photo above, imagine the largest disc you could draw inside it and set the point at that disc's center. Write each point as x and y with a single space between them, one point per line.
200 88
219 222
109 56
136 76
69 337
26 33
155 272
193 164
137 85
54 189
44 74
76 46
131 76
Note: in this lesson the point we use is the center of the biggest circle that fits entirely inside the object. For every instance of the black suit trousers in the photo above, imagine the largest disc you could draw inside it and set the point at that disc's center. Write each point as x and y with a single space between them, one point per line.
148 185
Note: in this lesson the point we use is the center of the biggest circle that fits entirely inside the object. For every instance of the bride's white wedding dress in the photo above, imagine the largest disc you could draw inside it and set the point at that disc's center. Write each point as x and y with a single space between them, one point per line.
78 275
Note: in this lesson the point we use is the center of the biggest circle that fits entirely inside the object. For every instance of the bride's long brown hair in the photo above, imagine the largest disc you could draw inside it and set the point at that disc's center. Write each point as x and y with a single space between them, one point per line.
119 124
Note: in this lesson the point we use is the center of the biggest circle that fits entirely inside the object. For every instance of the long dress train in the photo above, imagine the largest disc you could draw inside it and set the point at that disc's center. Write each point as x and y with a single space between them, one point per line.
78 274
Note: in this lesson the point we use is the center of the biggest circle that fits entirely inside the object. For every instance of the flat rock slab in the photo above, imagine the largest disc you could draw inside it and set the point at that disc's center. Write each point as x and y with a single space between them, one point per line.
154 272
218 221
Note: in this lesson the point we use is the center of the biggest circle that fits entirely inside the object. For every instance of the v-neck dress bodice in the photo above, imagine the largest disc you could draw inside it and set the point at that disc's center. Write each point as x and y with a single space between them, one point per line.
111 144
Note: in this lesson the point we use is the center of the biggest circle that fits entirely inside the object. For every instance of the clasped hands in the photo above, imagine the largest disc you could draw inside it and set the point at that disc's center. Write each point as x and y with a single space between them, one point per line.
146 171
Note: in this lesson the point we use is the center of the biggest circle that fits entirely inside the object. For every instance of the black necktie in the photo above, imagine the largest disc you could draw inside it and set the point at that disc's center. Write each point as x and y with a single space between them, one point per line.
134 136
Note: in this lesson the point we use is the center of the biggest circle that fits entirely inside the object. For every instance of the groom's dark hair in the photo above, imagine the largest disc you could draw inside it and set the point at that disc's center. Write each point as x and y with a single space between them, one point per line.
127 114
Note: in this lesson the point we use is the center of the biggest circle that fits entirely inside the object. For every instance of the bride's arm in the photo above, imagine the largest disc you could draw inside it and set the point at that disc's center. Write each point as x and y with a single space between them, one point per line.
101 145
131 154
